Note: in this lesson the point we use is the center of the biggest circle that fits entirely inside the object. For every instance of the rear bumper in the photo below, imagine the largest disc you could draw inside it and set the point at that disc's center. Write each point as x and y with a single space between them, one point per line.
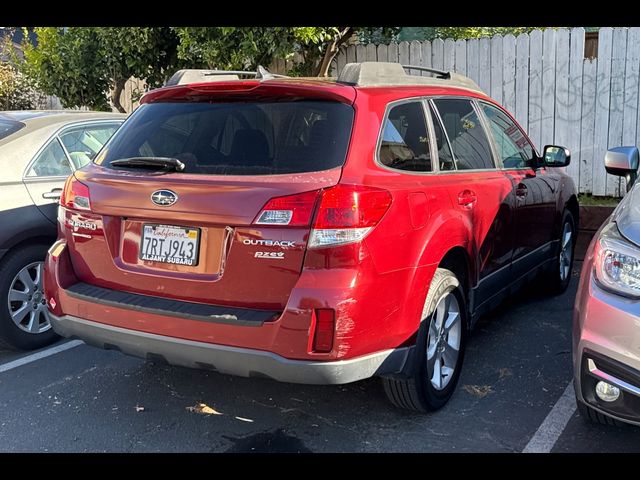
230 360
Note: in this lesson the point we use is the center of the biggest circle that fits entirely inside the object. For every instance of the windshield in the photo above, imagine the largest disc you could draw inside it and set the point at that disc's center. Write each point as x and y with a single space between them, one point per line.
7 127
260 138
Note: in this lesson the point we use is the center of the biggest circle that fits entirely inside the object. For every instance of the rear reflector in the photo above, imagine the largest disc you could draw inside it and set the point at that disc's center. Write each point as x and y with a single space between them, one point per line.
324 331
292 210
75 195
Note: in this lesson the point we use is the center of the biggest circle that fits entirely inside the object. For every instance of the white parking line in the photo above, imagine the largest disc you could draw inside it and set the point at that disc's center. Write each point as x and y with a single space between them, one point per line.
37 356
550 430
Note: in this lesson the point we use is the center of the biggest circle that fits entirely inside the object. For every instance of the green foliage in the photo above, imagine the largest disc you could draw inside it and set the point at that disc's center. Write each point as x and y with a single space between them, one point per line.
478 32
17 91
233 48
81 64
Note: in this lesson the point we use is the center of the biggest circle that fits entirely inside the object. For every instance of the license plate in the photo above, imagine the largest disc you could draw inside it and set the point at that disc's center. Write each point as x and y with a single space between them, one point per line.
170 244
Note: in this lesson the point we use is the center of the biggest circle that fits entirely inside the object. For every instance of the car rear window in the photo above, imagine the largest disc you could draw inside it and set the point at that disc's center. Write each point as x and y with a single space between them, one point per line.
7 127
260 138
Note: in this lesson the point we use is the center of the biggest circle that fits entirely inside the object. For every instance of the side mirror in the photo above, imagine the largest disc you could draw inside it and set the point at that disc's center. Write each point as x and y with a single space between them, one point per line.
623 161
556 156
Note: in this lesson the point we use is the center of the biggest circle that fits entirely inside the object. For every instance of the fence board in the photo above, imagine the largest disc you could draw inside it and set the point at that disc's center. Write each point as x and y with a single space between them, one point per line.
403 53
415 55
631 85
496 68
603 90
426 55
535 88
562 113
587 125
484 64
522 80
548 86
449 54
340 63
509 72
437 53
574 99
473 60
616 101
372 53
383 53
460 65
351 54
361 53
392 52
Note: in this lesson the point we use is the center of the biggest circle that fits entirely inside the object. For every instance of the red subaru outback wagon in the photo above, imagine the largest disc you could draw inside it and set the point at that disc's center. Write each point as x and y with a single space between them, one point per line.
310 231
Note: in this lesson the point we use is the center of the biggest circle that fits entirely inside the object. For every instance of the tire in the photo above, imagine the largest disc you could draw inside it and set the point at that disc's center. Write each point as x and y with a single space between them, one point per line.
591 415
416 389
13 336
555 281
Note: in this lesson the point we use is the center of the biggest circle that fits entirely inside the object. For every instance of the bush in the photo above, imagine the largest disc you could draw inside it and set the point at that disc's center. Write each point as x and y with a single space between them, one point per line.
18 92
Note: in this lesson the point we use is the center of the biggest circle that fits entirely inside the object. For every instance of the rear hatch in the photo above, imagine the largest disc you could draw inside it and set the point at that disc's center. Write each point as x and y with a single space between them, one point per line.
229 229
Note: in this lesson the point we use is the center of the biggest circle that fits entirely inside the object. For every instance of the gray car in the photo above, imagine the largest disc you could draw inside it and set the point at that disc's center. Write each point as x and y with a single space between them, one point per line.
38 151
606 322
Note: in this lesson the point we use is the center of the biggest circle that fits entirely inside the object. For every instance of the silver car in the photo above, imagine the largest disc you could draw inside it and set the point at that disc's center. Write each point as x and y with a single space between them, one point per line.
606 322
38 151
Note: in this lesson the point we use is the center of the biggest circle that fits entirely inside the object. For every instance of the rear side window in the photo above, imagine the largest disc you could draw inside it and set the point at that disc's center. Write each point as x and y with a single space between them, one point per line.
405 141
7 127
84 142
51 162
260 138
445 157
468 139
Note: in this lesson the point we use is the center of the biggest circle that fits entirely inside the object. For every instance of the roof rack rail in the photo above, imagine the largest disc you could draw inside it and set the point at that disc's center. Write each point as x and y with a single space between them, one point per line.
380 74
190 75
441 73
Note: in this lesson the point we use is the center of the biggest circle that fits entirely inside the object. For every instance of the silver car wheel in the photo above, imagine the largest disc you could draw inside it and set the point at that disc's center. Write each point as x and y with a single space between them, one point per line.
443 341
26 301
566 251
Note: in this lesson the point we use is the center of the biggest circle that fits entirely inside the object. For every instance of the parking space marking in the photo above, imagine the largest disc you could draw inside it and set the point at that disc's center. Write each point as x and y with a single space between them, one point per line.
550 430
37 356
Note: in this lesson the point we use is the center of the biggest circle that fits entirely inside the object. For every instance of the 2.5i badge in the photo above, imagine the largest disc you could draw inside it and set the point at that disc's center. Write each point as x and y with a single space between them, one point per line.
273 255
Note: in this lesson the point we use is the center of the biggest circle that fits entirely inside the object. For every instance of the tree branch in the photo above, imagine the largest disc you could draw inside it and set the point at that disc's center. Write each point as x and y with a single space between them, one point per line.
332 50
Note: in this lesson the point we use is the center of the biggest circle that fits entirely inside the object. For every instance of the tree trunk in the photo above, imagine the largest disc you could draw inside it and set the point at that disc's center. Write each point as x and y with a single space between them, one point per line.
117 92
332 50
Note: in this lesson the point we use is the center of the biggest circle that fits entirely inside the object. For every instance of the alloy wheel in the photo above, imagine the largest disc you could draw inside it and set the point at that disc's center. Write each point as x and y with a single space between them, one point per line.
443 341
26 300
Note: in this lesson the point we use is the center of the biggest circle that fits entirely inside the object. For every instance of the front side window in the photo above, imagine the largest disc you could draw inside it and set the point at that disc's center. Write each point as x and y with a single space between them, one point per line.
405 141
51 162
240 138
513 147
468 139
83 143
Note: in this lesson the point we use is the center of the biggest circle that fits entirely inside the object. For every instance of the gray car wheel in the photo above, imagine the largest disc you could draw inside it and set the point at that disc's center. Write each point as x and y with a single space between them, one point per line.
24 319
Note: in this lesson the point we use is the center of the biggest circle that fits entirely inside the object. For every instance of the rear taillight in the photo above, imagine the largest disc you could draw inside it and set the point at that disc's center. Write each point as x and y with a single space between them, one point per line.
292 210
75 195
347 213
324 330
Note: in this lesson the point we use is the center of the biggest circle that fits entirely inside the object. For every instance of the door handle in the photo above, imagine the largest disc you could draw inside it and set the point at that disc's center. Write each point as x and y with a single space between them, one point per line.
521 191
54 194
467 198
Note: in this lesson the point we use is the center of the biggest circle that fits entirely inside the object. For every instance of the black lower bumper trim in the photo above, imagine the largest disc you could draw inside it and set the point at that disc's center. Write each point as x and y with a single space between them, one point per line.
174 308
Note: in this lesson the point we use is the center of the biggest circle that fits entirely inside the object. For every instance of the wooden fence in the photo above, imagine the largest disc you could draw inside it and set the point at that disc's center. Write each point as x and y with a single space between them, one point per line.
543 78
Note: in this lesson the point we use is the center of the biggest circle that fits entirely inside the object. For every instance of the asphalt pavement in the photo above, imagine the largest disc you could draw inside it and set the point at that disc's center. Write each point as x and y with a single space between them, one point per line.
512 396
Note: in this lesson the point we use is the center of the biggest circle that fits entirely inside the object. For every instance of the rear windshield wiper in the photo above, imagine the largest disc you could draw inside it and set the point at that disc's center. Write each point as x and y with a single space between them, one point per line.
165 163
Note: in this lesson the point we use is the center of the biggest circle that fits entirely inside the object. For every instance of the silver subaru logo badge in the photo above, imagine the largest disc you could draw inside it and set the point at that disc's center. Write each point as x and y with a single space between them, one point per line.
164 198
